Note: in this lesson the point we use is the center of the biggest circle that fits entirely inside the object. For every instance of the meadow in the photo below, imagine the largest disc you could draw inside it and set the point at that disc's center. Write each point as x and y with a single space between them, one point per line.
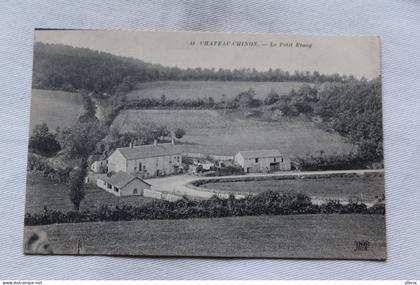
335 188
204 89
294 236
56 108
209 131
40 193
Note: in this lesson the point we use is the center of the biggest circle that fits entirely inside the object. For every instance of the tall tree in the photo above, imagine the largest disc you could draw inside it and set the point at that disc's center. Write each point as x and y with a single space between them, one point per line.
77 186
163 99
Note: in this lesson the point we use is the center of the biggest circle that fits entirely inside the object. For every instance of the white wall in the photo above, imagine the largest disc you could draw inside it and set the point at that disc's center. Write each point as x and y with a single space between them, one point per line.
104 185
116 162
165 165
239 159
263 164
128 189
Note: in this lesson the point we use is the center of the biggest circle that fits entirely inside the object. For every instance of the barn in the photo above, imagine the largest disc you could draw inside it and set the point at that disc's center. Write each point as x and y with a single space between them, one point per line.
266 160
146 160
123 184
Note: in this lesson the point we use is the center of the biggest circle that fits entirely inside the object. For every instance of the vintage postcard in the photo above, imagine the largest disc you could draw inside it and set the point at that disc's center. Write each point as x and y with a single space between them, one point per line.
205 145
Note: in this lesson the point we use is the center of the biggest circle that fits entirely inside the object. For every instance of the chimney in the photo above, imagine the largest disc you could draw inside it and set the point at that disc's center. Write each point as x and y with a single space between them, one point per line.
155 142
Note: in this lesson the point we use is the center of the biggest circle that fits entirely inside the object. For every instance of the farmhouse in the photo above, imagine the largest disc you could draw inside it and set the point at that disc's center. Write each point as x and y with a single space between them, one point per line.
123 184
146 160
266 160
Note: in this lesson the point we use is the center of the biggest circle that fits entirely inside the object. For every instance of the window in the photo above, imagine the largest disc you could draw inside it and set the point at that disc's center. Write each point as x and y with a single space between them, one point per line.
256 160
144 167
135 191
179 158
116 189
109 186
170 159
282 159
274 159
140 166
157 162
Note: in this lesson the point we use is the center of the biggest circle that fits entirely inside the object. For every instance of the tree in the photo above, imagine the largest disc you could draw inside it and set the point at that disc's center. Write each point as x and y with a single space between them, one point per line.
245 99
89 106
271 98
211 102
162 132
179 133
224 102
43 141
163 99
77 186
354 110
80 140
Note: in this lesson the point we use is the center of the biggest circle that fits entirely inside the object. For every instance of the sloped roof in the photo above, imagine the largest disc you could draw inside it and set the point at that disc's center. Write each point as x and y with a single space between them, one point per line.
120 179
143 151
260 153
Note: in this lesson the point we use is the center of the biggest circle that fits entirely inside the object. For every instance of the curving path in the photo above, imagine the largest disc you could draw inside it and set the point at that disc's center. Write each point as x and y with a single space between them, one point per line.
181 184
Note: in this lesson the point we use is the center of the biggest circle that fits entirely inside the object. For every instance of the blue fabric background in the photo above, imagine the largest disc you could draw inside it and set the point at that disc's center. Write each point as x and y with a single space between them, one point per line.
398 24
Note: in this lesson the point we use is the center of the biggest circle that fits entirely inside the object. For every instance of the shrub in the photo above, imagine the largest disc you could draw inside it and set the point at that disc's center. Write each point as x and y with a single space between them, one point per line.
43 141
39 166
229 170
179 133
334 162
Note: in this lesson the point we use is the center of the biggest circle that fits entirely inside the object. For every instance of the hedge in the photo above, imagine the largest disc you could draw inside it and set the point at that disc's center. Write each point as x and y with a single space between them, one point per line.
267 203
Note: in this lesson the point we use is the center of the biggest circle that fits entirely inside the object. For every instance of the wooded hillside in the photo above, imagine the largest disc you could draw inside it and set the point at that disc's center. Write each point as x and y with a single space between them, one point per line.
60 67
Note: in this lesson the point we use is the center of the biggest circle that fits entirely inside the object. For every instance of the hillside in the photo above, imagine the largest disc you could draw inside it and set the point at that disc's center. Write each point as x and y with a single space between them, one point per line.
209 131
60 67
181 90
55 108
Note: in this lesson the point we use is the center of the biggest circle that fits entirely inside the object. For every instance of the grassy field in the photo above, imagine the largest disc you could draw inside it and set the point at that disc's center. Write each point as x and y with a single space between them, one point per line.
310 236
209 131
205 89
56 108
41 192
340 188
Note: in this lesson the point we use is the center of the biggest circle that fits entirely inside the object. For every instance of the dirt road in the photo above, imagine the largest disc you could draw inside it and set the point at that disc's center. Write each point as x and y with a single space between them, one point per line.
181 184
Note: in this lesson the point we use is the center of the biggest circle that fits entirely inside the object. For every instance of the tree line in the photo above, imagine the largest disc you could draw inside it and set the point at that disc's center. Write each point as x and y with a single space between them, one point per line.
67 68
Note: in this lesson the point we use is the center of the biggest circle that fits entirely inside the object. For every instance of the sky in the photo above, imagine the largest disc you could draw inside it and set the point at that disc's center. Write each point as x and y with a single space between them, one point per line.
351 55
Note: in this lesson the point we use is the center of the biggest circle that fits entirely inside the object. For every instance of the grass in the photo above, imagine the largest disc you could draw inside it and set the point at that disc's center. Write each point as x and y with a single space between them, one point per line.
204 89
41 192
209 131
56 108
320 188
300 236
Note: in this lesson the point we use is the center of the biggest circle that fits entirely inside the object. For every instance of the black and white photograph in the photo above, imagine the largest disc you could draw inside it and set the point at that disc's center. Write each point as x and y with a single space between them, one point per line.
199 144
